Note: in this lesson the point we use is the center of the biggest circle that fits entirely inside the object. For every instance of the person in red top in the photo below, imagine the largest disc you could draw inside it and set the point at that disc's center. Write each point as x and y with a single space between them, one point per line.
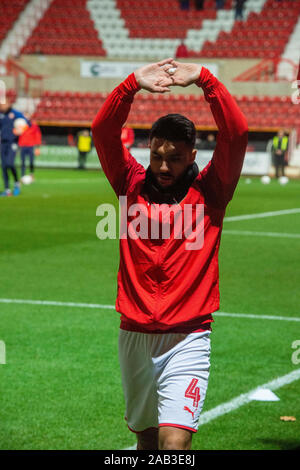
29 143
182 51
127 137
168 286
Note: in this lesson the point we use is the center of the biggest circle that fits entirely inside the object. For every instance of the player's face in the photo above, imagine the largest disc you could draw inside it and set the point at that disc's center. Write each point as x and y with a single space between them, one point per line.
4 107
169 160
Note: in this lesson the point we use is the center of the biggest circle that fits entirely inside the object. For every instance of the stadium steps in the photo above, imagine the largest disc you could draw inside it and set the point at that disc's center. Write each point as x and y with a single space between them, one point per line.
65 29
261 112
291 53
10 11
151 29
224 22
148 30
23 27
112 30
263 34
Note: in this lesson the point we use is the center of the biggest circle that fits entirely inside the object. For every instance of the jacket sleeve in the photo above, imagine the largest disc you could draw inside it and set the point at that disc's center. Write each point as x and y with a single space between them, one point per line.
117 163
220 177
18 114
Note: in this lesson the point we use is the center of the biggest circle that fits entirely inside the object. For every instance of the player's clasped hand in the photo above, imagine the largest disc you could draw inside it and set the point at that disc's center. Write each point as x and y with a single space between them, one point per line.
154 77
183 74
158 77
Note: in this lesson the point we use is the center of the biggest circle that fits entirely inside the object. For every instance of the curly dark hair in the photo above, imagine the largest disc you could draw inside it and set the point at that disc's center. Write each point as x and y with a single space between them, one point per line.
175 128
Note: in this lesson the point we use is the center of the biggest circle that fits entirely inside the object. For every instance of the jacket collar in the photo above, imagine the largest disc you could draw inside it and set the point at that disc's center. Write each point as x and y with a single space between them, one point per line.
173 194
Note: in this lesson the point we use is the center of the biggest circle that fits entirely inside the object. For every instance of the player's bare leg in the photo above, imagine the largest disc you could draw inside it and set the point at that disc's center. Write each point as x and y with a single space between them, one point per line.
171 438
148 439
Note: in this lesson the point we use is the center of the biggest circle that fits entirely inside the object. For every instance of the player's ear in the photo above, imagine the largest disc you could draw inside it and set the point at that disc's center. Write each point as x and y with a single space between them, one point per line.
193 155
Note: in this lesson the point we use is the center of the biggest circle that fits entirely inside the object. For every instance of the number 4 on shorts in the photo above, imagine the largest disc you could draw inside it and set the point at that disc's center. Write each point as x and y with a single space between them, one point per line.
193 392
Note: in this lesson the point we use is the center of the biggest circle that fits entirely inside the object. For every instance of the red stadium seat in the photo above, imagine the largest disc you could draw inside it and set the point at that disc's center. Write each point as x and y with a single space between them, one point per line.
9 13
262 35
260 111
65 29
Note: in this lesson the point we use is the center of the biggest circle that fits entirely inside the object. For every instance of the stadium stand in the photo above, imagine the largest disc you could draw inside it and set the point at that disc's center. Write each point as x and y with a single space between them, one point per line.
65 29
150 19
148 29
264 34
261 112
22 28
12 9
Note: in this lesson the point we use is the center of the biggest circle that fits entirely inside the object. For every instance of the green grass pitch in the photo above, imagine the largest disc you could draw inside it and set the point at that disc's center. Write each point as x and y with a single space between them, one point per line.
60 387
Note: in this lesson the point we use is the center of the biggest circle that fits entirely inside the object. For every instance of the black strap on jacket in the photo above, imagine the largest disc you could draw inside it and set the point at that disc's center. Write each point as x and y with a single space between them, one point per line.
172 194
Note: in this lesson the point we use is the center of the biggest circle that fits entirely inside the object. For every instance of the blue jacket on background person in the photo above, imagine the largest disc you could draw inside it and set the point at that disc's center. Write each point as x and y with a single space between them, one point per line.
7 120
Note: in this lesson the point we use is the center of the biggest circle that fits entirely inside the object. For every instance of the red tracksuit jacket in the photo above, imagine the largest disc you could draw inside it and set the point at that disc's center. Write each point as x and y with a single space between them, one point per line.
162 286
31 137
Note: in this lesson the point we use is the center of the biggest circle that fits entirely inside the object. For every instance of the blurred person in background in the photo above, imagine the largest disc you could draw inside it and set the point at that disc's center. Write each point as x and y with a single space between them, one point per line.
220 4
279 152
127 137
29 144
84 146
199 4
184 4
181 51
239 7
9 145
210 143
71 139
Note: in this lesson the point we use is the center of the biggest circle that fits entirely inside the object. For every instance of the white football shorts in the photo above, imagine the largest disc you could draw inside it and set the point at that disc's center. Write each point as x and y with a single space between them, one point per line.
165 378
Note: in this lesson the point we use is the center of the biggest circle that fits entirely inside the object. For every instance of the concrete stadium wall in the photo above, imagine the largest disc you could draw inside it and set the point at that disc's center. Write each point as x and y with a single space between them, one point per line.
63 73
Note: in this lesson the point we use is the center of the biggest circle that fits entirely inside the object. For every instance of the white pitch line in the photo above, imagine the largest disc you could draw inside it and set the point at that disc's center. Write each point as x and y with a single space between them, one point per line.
68 180
112 307
260 215
257 317
261 234
243 399
56 304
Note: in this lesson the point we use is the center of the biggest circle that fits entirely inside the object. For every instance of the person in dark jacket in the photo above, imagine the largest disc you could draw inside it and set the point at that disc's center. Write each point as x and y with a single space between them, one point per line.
9 144
279 152
239 8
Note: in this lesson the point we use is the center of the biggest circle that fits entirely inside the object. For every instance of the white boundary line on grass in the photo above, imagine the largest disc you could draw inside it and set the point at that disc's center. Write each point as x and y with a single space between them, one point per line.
260 215
112 307
261 234
257 317
56 303
68 180
243 399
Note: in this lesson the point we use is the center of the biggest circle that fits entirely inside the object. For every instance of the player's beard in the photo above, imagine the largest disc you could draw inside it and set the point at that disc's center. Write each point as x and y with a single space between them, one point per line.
170 193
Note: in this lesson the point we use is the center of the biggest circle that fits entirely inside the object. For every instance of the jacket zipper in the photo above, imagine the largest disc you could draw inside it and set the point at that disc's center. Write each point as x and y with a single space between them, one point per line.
158 293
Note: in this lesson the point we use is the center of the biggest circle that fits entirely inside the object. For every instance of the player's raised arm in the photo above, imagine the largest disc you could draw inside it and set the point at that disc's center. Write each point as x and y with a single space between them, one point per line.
116 161
221 175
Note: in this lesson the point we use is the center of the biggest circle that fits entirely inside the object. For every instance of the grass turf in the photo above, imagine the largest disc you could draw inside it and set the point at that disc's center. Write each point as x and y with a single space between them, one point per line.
61 388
